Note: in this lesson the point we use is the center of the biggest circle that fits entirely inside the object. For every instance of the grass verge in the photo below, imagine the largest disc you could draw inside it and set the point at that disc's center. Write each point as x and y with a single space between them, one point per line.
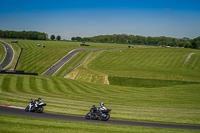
32 125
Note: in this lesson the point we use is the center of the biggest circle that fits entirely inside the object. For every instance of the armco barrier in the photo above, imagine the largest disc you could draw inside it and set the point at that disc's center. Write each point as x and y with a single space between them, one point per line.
17 72
18 59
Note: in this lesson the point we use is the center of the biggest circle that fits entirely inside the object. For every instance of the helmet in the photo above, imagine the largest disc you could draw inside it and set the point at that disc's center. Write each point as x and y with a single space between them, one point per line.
39 98
101 104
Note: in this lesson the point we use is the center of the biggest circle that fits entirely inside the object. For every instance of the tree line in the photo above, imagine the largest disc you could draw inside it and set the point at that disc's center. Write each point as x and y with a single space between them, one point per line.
33 35
136 39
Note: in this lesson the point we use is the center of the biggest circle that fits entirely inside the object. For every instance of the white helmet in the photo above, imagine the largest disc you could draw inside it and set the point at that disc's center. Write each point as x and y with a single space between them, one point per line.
101 104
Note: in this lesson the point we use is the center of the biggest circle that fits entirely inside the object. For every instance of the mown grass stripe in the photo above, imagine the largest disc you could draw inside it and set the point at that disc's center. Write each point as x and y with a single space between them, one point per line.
19 84
32 84
39 85
6 84
92 89
50 85
26 84
83 88
73 87
194 62
57 86
45 86
68 86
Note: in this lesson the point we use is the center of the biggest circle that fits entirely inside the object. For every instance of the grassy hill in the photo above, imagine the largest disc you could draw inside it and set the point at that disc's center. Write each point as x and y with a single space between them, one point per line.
38 59
139 66
154 63
174 104
141 84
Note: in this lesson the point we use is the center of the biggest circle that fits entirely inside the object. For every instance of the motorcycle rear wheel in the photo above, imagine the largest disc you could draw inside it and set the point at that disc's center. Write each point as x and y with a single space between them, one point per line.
40 109
105 118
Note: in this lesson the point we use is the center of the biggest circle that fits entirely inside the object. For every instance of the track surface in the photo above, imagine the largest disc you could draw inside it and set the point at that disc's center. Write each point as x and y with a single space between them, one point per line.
9 55
61 62
21 112
54 68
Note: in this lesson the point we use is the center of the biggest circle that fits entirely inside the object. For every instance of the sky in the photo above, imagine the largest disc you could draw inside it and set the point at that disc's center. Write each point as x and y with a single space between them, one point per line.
87 18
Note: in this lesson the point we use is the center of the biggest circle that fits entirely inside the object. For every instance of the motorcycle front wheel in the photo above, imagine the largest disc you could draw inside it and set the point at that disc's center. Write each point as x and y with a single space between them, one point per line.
88 116
26 109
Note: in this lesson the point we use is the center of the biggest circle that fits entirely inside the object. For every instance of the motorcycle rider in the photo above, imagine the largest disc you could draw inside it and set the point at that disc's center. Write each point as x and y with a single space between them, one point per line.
94 111
31 104
101 107
34 103
97 110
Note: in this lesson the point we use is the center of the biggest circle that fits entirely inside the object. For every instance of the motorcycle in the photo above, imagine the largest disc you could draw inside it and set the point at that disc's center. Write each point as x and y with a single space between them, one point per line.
98 115
36 106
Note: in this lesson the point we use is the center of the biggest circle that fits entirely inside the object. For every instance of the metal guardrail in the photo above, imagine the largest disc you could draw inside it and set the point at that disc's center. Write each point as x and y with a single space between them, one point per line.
78 64
18 59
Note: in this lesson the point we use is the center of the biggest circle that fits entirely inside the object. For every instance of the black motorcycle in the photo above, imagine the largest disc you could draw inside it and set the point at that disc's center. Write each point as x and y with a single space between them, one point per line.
36 106
94 114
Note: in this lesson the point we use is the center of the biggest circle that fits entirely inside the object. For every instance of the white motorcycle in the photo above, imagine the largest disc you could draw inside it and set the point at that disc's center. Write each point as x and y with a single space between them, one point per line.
35 106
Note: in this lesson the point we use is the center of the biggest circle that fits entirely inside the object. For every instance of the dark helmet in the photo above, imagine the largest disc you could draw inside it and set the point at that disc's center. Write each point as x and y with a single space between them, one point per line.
39 99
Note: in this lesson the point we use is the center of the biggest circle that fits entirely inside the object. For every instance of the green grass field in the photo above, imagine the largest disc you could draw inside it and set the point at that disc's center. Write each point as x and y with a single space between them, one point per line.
154 63
139 66
141 84
174 104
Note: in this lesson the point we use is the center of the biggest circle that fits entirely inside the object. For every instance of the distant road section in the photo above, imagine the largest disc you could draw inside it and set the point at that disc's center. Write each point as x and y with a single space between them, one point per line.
9 55
20 112
188 58
53 69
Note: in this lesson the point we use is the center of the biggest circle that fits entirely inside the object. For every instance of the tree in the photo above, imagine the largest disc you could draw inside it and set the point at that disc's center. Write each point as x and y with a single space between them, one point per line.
41 37
196 43
53 37
73 38
58 37
79 39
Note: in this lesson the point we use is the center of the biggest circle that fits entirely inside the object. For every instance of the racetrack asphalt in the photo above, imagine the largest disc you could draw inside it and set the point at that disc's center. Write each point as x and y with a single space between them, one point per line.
20 112
9 55
54 68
